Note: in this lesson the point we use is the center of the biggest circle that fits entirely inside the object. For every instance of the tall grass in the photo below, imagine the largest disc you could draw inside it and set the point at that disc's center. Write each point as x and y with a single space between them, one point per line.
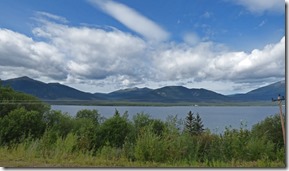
31 154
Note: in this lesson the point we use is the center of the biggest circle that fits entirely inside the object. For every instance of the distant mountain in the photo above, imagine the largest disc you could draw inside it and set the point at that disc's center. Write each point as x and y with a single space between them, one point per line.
132 94
168 94
263 93
183 94
50 91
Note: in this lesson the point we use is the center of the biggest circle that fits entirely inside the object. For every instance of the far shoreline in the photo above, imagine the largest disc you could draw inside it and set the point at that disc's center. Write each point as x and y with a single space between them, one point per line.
157 104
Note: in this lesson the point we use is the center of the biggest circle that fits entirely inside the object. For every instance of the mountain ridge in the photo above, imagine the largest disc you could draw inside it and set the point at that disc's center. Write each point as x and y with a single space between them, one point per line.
167 94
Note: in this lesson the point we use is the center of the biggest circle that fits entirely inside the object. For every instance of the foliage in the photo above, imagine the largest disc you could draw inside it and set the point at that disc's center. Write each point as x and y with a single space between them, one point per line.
19 124
271 128
92 115
59 122
198 125
11 100
142 120
194 125
114 130
149 146
21 116
85 129
190 123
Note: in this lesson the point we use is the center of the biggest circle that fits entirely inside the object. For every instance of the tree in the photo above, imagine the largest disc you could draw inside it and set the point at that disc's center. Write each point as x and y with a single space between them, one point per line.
85 127
190 119
19 124
89 114
21 116
142 120
270 128
158 126
11 100
198 125
194 125
114 131
58 122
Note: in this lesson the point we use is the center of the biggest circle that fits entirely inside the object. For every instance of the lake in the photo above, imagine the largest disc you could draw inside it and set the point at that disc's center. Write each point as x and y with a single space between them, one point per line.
216 118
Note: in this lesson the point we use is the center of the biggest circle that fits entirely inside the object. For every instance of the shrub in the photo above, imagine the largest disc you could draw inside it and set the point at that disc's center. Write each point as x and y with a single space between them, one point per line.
62 123
149 146
259 148
142 120
114 130
19 124
92 115
271 129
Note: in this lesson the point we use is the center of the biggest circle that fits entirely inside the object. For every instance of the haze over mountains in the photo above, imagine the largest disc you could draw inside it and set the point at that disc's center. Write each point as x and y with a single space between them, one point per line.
168 94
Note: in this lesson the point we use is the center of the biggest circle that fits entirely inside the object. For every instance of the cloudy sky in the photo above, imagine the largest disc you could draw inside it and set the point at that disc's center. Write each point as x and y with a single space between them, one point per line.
228 46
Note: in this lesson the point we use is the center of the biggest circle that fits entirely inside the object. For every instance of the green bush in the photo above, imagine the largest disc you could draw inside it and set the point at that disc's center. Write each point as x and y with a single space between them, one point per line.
110 153
211 148
61 123
271 129
114 131
141 121
92 115
259 148
86 131
149 146
20 124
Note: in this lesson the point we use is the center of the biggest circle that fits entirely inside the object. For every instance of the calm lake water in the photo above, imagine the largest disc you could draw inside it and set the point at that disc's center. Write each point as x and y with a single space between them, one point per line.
216 118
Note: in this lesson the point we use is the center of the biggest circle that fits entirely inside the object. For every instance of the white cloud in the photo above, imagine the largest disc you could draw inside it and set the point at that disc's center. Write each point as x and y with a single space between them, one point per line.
180 61
132 19
43 16
98 53
259 6
207 61
112 58
20 51
191 38
259 64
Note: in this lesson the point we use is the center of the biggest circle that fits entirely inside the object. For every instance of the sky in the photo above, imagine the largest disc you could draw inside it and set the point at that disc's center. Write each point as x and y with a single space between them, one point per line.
227 46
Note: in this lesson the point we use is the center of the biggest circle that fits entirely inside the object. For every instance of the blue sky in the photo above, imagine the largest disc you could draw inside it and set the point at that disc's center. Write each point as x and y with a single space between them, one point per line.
228 46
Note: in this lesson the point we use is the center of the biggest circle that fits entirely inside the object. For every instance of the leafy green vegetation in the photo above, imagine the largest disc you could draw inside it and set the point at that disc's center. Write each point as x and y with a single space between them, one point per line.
32 135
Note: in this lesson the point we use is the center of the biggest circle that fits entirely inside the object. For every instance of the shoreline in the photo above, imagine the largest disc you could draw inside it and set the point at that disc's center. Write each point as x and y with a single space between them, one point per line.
151 104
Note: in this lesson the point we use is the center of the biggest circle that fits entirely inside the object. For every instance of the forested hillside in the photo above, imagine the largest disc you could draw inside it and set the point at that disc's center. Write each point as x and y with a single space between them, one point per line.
168 94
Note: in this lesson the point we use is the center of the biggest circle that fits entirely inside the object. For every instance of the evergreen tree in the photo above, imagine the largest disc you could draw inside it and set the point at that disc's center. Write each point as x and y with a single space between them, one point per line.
198 126
194 125
190 119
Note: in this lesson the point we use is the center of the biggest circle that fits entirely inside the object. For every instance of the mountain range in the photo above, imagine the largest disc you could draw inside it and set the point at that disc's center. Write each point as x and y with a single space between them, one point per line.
168 94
